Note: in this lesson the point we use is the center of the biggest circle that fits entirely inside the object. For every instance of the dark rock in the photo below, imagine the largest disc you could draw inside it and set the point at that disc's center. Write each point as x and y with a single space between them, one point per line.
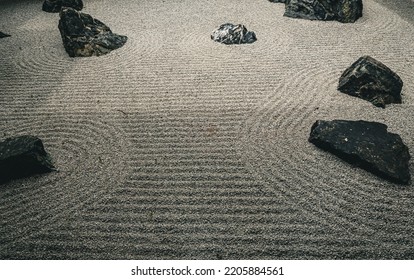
23 156
365 144
371 80
3 35
341 10
83 35
233 34
54 6
349 10
278 1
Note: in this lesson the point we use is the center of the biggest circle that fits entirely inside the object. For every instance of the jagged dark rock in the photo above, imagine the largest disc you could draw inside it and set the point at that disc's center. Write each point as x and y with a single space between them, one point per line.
341 10
366 144
233 34
23 156
83 35
54 6
371 80
3 35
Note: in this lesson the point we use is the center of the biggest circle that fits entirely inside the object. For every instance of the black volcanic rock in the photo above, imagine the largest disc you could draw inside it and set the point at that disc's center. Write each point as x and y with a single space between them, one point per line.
366 144
371 80
23 156
83 35
233 34
341 10
54 6
4 35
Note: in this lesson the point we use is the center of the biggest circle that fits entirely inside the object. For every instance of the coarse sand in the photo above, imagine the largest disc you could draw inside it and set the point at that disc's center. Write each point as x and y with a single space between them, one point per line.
178 147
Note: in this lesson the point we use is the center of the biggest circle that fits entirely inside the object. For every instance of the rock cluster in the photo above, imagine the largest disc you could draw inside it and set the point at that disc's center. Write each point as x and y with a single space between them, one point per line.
23 156
366 144
371 80
233 34
54 6
83 35
341 10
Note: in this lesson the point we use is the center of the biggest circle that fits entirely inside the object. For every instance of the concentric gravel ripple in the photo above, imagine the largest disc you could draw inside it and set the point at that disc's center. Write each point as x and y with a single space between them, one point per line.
73 142
273 134
177 147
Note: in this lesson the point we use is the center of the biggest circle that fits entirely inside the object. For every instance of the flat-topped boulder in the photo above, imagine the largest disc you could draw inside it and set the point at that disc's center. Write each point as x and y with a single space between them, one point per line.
229 33
4 35
366 144
345 11
371 80
23 156
83 35
54 6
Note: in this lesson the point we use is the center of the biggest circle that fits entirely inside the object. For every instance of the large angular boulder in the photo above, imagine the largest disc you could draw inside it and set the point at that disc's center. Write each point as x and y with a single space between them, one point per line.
54 6
23 156
233 34
371 80
341 10
4 35
365 144
83 35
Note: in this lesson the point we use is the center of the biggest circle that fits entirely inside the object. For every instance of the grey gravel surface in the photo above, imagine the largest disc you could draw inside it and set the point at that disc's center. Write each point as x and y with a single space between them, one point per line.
176 147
